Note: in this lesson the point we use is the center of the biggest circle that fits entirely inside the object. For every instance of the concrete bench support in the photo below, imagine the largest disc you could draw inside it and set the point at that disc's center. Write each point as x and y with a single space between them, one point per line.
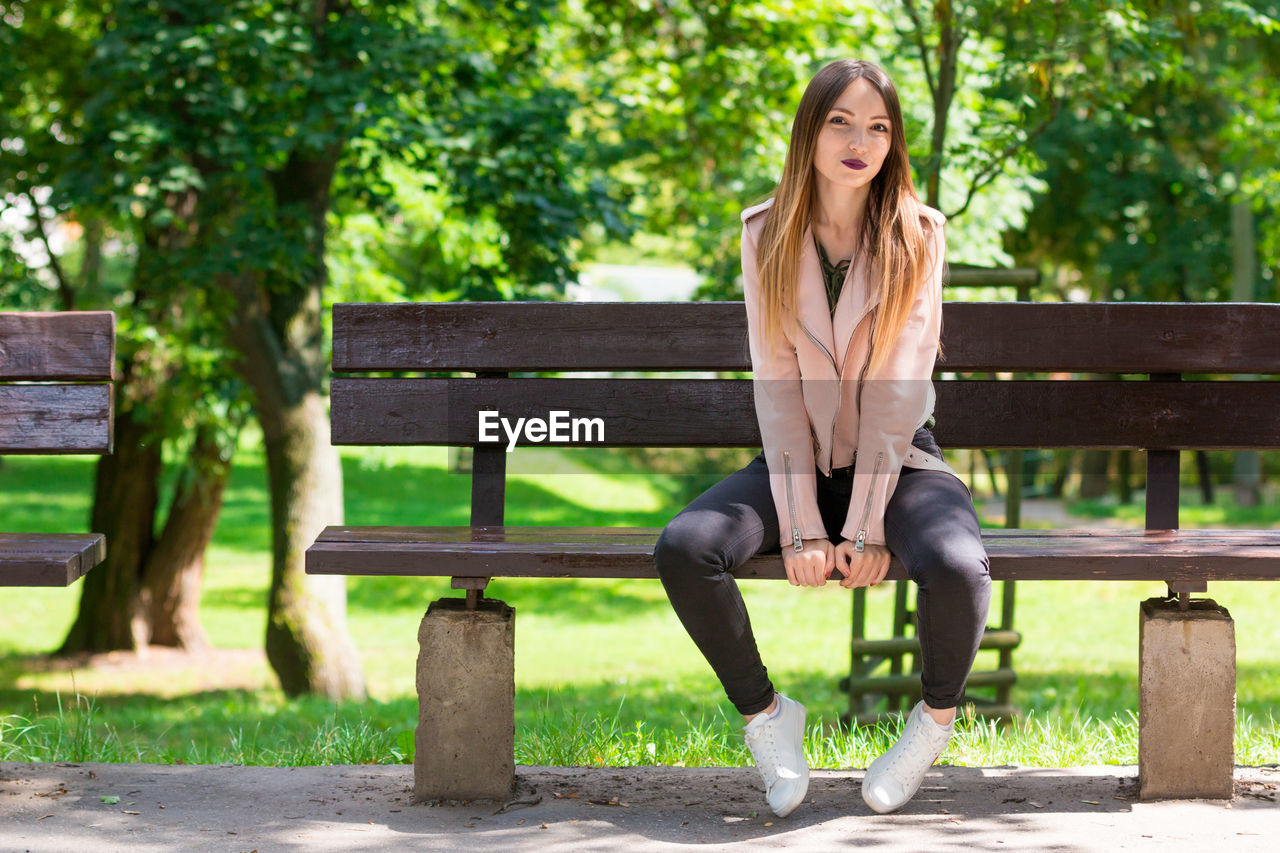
465 742
1187 700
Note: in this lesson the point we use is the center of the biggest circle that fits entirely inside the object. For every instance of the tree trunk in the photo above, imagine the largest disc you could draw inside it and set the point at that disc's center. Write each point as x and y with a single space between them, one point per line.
1246 464
174 571
307 641
1205 474
1094 465
1124 476
991 471
1063 459
91 267
148 588
279 332
126 492
948 55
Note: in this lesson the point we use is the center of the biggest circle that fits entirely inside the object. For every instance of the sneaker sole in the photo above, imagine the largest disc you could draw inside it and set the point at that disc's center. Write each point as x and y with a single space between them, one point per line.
789 807
877 808
792 806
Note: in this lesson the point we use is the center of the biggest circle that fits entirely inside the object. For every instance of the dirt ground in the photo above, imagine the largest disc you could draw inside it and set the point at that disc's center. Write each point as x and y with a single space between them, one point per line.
53 808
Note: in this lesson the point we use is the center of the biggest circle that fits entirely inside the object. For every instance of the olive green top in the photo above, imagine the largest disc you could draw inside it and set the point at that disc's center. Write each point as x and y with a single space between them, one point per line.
833 274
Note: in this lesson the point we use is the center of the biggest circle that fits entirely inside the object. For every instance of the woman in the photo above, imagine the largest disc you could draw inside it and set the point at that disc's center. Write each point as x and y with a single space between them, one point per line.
842 354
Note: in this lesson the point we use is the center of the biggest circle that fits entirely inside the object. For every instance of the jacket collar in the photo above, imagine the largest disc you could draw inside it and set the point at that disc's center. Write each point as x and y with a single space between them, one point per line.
832 331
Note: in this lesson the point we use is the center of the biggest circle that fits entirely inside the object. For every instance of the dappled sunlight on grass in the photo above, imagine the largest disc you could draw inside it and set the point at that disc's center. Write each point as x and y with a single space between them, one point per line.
642 722
160 672
210 727
569 477
46 494
402 494
603 667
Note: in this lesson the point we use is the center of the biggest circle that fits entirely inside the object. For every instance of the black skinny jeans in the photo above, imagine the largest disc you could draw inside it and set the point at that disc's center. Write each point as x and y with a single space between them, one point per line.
930 525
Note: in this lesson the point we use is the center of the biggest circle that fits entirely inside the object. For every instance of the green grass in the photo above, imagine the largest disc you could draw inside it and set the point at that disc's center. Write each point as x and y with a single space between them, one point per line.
605 674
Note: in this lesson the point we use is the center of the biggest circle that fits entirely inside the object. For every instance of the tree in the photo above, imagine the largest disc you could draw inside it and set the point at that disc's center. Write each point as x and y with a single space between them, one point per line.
706 93
1141 188
148 590
225 137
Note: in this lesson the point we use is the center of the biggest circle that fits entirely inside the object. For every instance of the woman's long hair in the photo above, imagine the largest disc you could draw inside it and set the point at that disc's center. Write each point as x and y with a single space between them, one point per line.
892 239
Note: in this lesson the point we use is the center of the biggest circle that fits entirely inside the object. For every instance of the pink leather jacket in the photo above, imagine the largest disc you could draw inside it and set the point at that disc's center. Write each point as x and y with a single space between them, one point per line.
816 406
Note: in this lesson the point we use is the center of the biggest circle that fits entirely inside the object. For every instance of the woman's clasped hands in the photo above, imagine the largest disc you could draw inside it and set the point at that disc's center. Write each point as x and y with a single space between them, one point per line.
812 565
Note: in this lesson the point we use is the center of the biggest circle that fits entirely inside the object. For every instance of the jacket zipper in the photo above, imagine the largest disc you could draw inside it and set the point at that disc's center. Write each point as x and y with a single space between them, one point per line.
796 542
862 374
840 396
836 417
831 358
861 542
840 379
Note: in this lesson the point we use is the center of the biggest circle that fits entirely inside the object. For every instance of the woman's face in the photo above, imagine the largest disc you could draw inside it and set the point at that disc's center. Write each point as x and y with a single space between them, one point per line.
854 139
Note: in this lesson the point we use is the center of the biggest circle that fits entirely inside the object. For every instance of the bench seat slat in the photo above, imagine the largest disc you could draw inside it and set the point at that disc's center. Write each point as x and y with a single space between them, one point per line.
1072 554
56 418
48 559
676 412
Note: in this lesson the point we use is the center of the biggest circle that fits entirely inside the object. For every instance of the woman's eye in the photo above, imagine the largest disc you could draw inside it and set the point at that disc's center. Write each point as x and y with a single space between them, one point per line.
881 128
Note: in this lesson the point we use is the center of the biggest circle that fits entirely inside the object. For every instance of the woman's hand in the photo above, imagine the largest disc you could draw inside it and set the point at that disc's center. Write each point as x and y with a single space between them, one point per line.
811 565
865 568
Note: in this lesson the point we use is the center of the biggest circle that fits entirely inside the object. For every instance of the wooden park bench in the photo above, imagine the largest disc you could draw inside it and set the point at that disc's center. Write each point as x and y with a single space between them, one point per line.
55 397
1176 386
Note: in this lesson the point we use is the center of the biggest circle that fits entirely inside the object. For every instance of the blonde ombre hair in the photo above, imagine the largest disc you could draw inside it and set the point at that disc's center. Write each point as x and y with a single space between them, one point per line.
893 239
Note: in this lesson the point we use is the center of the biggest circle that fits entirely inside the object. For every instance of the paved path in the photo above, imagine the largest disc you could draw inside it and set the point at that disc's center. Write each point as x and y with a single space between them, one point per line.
54 808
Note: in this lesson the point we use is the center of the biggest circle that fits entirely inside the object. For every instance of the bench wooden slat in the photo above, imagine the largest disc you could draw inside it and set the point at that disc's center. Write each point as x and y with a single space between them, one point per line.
1072 554
59 345
48 559
676 412
1108 337
56 418
519 336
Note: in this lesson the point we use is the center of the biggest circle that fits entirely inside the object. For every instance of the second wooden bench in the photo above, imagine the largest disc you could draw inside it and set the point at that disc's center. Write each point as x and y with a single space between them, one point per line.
55 397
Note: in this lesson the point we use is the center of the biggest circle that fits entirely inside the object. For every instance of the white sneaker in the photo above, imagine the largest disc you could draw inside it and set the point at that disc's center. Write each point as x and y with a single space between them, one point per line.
777 747
893 778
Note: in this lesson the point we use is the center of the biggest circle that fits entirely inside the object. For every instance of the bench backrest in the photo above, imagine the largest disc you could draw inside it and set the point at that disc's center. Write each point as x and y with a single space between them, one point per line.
1164 411
55 381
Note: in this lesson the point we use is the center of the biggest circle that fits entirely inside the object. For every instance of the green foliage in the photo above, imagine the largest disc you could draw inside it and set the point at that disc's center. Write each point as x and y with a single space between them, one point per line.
200 120
20 289
490 145
700 96
1141 186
